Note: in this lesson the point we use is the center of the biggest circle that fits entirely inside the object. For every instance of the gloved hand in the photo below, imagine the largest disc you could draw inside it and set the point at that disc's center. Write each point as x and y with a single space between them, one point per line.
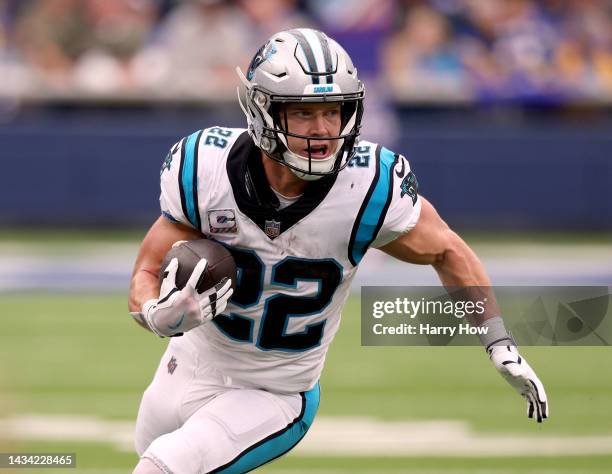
178 311
521 376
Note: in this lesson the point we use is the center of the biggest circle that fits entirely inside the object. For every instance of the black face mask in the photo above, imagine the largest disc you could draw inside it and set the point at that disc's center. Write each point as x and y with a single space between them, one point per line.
348 109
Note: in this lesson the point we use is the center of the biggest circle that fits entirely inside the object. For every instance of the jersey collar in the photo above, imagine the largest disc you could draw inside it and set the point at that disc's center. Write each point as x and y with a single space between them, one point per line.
256 199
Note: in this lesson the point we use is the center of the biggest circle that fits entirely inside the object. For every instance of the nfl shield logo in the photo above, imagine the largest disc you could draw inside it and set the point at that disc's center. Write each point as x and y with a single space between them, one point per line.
272 229
172 365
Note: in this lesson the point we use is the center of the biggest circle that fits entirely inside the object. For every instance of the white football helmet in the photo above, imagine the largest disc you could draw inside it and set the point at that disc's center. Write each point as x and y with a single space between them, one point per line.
301 65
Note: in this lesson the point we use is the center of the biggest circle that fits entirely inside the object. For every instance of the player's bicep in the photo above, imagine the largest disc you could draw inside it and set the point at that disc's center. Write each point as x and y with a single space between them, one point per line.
426 243
159 239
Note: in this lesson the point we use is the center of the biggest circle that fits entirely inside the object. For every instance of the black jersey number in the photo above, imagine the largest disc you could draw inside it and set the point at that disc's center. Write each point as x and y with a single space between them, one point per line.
213 139
247 293
280 308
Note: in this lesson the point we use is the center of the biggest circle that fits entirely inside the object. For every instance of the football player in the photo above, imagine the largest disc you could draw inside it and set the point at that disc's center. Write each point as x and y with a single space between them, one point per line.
298 201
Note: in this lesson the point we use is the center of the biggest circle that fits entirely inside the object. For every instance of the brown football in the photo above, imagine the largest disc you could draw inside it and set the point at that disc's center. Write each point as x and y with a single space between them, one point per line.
221 264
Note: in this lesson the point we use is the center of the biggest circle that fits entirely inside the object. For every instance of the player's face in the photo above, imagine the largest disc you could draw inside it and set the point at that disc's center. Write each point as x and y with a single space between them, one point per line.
315 120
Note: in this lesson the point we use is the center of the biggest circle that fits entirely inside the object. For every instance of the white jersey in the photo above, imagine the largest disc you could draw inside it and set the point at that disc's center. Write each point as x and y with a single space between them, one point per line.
295 264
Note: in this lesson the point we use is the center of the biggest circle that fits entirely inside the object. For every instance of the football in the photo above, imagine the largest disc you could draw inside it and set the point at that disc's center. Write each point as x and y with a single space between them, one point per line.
220 263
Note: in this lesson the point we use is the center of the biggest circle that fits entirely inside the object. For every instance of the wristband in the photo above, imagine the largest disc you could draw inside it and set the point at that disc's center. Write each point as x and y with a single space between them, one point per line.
146 306
144 314
496 335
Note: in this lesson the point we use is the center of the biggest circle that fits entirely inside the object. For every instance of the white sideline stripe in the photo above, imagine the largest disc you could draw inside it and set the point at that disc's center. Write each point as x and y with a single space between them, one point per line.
103 267
331 436
371 437
68 428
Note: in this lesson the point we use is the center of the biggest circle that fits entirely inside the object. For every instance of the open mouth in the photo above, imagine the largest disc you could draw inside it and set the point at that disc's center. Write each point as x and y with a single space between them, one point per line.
317 151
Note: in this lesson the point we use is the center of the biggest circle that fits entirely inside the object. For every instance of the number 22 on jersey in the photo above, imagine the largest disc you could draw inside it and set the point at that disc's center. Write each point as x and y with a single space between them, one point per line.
279 308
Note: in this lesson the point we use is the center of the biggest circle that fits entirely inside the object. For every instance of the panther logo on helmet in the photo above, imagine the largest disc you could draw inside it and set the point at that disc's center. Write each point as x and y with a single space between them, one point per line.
262 54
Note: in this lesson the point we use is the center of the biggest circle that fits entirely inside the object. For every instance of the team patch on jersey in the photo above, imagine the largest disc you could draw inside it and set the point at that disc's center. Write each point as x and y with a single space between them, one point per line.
172 365
410 186
222 221
272 228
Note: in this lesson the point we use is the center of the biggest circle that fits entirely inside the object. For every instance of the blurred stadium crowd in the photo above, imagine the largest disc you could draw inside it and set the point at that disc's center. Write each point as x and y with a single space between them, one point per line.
466 51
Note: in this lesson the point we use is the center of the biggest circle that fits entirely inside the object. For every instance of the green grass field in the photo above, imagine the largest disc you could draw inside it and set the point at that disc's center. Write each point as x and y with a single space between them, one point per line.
82 355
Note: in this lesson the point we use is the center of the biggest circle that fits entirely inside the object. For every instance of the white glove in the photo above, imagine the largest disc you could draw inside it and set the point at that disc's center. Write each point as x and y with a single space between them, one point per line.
521 376
178 311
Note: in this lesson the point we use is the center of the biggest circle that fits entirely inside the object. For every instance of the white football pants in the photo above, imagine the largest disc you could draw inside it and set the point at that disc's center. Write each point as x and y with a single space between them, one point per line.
193 419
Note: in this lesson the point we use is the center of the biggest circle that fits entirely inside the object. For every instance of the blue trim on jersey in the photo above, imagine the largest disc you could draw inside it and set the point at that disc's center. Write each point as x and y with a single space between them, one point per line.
187 179
375 208
277 443
170 217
